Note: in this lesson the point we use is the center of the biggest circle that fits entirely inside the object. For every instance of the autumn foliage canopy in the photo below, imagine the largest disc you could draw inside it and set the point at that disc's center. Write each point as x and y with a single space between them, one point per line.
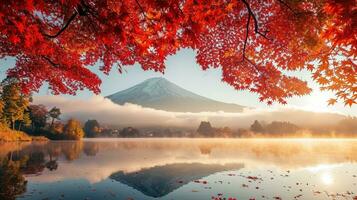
254 42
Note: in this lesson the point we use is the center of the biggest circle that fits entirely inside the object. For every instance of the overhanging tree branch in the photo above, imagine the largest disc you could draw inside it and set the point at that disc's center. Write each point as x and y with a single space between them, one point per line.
64 27
50 61
141 8
246 36
287 5
256 25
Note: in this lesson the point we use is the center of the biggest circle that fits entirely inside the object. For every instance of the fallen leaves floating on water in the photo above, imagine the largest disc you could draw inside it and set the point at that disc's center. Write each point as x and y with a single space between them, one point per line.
201 181
220 197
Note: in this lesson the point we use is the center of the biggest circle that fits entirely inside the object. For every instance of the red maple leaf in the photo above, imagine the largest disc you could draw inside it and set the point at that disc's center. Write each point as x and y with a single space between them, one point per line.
56 42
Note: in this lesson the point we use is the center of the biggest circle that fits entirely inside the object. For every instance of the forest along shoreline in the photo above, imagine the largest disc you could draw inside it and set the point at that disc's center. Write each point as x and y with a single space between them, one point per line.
21 120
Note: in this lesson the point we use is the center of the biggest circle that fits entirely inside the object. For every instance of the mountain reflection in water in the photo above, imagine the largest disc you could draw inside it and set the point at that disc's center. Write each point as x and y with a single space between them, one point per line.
179 169
161 180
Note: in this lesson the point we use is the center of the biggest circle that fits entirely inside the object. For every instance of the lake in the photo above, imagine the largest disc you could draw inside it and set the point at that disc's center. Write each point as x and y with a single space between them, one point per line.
184 169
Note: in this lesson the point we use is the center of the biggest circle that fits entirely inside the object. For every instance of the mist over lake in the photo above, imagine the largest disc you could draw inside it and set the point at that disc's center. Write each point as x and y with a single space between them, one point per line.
187 169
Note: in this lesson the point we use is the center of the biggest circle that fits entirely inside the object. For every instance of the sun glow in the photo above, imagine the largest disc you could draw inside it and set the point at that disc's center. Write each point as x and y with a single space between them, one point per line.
324 173
318 101
327 178
321 168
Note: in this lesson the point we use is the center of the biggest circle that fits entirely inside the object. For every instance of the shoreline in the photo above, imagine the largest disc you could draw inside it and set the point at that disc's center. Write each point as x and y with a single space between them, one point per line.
24 138
19 136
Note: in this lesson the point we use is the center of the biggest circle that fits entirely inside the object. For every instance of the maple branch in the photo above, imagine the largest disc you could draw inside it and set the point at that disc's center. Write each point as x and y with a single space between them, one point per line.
144 13
82 9
250 14
253 64
87 10
256 26
50 61
181 11
287 5
250 62
246 36
93 14
64 27
141 8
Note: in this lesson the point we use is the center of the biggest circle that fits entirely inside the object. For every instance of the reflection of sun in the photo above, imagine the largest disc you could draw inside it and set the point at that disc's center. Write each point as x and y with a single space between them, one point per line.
322 167
324 172
326 178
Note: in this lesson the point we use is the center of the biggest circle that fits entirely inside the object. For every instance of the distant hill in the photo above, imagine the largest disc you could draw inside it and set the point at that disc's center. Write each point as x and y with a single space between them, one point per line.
162 94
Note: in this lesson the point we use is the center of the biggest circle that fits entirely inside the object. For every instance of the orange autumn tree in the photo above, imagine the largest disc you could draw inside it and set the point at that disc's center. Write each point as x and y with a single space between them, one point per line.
254 42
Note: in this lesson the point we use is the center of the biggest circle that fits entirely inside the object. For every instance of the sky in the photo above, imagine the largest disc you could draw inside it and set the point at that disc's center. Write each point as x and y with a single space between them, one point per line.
183 70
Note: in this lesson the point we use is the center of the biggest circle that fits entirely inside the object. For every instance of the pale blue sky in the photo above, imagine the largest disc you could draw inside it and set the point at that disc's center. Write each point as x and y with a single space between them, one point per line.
183 70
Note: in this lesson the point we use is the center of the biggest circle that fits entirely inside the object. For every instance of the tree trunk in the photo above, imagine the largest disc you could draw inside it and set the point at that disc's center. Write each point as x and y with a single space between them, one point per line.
53 119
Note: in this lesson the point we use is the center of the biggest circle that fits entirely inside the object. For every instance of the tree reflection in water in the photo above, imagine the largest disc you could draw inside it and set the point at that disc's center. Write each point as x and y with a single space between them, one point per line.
12 181
33 159
91 149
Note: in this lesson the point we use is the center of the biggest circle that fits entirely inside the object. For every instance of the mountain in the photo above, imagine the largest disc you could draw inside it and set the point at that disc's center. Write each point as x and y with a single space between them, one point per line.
159 181
162 94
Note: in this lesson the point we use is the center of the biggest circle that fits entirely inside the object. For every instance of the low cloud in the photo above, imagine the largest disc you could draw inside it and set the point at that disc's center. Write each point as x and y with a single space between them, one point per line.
107 112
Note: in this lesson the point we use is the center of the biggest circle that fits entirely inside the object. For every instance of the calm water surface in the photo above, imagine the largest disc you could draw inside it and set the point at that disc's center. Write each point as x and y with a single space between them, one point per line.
181 169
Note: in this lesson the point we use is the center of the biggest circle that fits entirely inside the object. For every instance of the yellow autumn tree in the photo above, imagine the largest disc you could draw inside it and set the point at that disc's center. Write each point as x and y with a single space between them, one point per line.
73 130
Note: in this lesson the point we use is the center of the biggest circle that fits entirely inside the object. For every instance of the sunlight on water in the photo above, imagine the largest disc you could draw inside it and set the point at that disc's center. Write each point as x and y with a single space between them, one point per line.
327 178
321 167
184 169
324 172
